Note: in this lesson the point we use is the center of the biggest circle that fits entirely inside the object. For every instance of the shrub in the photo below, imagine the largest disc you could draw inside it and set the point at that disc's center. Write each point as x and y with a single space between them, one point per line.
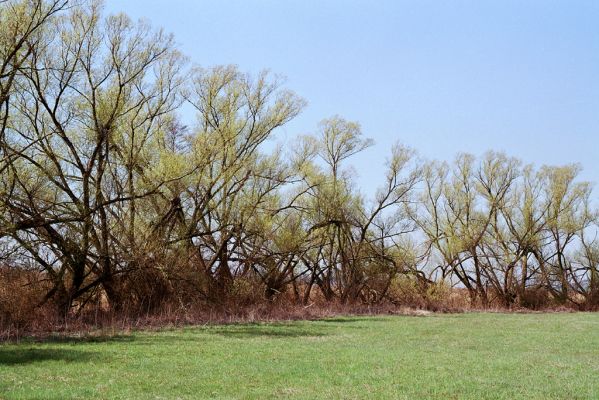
21 292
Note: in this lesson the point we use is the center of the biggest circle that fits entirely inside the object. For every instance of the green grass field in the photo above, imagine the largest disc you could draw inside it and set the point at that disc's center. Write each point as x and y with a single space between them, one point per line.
461 356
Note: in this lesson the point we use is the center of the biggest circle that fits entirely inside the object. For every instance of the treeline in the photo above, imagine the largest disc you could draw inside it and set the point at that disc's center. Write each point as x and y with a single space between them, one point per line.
108 199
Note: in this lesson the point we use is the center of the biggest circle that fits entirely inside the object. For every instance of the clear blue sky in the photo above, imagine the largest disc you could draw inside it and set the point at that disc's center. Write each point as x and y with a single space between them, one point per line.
440 76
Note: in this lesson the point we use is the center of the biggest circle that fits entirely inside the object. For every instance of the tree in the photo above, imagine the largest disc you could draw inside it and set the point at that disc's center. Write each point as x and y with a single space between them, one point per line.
568 214
233 183
21 27
354 252
461 220
83 119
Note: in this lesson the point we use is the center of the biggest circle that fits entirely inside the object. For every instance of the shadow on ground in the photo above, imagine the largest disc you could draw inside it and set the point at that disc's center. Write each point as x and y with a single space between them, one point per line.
18 356
313 328
366 319
90 338
270 330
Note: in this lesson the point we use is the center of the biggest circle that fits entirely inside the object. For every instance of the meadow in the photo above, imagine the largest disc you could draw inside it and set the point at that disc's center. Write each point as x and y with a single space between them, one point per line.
439 356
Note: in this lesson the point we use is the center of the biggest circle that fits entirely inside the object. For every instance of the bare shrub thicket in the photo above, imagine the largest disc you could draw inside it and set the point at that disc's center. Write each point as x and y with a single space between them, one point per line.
111 204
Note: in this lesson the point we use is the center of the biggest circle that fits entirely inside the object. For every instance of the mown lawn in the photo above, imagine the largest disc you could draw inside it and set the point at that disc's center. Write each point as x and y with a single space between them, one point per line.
462 356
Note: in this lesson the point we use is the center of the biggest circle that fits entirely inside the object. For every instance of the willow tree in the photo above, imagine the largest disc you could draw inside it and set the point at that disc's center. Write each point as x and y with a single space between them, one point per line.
234 180
568 215
95 92
460 218
522 231
585 269
22 24
354 247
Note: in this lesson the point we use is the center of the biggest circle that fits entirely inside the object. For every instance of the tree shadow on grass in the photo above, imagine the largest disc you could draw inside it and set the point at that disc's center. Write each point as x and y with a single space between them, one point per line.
270 330
20 356
88 339
352 319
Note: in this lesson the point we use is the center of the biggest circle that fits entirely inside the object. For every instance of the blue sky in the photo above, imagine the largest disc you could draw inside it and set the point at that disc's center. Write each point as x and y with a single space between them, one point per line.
440 76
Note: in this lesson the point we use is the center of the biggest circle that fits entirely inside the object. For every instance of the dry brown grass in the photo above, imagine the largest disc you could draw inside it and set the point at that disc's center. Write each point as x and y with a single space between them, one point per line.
155 303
